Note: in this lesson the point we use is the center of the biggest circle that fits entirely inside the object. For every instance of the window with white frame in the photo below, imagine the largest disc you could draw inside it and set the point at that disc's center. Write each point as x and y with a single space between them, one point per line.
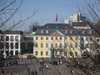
16 38
46 38
12 45
11 38
41 45
41 38
41 53
36 38
46 53
56 45
7 45
16 45
7 38
2 38
46 45
60 45
36 52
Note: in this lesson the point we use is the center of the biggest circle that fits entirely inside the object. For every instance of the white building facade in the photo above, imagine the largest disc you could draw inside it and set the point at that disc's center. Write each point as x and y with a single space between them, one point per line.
10 42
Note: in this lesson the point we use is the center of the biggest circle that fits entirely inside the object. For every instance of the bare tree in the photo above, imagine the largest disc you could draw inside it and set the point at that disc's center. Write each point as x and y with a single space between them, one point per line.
8 8
34 26
91 9
21 21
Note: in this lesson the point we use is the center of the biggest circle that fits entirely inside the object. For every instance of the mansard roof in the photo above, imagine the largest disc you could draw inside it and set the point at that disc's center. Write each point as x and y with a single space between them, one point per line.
80 24
56 25
65 29
12 32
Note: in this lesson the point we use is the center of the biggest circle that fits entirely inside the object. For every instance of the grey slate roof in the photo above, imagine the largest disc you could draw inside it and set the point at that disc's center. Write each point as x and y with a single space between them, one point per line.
65 29
12 32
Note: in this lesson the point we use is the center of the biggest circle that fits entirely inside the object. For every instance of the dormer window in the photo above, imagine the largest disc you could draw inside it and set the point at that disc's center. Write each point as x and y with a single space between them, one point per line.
66 31
47 27
47 31
71 32
83 32
42 31
90 32
56 27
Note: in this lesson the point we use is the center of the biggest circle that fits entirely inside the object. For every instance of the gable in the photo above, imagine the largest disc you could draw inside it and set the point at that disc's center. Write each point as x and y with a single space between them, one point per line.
57 33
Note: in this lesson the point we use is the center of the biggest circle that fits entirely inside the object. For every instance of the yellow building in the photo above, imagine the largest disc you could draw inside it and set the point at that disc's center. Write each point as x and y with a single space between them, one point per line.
73 46
54 36
44 42
41 46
